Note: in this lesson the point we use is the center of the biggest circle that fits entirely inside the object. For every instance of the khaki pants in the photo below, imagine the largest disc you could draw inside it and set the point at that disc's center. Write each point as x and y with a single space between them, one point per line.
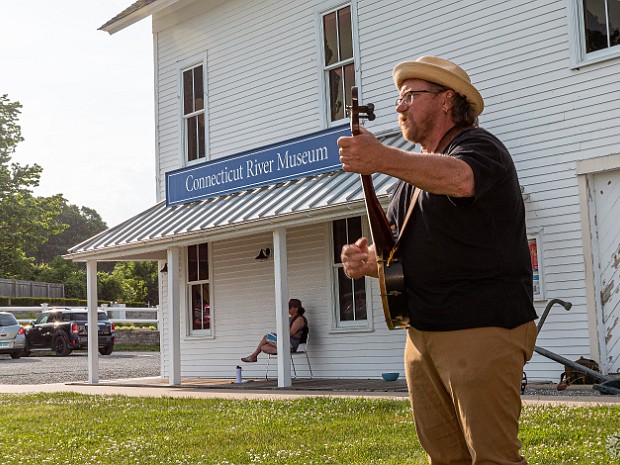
465 391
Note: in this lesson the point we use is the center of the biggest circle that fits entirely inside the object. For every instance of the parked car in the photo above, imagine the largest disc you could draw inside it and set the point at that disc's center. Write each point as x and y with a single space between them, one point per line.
65 329
12 336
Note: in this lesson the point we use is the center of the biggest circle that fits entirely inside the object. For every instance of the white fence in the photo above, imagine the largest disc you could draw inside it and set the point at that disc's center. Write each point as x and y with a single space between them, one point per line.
116 314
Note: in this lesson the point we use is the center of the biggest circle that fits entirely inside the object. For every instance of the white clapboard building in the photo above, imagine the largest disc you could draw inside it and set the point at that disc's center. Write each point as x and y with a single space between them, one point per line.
249 97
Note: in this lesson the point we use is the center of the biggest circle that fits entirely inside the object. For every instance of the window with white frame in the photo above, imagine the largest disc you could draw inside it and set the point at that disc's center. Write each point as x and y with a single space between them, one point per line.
350 294
594 27
338 60
198 292
194 113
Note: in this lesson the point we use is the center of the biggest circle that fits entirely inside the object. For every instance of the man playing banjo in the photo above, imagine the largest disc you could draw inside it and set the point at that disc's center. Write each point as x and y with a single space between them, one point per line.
466 265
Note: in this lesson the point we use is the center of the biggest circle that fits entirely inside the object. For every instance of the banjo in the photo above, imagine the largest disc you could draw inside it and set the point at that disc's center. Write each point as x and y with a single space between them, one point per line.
390 271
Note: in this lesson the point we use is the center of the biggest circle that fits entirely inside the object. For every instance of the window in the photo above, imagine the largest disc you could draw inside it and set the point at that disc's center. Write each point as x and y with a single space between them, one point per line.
594 30
601 24
350 293
198 289
7 320
338 62
194 113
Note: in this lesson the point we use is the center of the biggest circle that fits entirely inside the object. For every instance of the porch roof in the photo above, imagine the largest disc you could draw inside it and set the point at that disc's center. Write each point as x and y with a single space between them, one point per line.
293 203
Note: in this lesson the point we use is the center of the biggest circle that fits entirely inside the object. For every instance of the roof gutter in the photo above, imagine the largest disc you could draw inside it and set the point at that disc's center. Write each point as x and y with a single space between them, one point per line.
136 12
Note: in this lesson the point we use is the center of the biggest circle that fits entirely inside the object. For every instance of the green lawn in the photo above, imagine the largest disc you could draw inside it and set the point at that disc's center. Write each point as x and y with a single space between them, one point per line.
114 430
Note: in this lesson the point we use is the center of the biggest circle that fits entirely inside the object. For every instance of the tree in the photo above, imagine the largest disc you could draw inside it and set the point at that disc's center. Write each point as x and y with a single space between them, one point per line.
43 228
138 280
59 270
109 287
80 223
26 221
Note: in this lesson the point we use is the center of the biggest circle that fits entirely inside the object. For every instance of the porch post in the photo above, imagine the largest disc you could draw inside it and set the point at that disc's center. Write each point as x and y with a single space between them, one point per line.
174 316
93 322
281 293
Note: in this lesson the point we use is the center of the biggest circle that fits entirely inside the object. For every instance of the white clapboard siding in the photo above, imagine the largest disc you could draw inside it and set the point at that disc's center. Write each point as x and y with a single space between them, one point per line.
243 312
263 87
340 354
242 309
530 109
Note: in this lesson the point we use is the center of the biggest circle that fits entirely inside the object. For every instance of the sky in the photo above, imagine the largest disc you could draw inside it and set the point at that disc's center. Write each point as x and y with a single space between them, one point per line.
87 97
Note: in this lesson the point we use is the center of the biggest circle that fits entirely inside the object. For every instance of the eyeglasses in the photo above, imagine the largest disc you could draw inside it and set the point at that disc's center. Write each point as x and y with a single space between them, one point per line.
408 97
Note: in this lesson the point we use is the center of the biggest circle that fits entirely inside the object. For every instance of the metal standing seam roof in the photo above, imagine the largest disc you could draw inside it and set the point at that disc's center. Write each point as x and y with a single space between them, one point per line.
287 200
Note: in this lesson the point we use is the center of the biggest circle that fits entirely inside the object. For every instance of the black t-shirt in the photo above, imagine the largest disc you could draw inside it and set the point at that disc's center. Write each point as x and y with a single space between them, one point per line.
466 260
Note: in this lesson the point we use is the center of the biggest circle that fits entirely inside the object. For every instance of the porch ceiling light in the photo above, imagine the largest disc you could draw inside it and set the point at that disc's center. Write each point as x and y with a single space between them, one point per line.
264 254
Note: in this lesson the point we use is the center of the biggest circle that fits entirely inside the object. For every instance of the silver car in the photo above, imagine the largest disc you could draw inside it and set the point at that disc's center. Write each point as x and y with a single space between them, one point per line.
12 336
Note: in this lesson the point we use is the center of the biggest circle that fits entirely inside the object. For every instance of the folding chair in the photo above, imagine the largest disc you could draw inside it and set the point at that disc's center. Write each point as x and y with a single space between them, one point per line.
301 350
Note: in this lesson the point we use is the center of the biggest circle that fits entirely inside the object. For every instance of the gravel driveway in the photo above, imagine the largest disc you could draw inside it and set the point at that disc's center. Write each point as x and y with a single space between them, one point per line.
44 368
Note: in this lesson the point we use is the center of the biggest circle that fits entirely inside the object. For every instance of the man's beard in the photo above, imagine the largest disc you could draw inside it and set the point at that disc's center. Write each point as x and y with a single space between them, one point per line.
411 134
417 132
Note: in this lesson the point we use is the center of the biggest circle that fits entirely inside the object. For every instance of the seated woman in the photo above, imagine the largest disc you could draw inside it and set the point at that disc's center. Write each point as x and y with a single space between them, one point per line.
297 323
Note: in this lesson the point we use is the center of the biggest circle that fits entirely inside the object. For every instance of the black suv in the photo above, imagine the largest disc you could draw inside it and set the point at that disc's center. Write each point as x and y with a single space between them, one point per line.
66 329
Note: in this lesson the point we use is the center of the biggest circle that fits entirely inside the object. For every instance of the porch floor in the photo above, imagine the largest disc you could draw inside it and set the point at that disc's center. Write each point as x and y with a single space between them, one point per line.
396 388
268 388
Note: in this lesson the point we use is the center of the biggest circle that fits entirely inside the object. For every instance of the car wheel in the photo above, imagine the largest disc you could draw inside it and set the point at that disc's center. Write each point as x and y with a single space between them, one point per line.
107 350
61 346
16 354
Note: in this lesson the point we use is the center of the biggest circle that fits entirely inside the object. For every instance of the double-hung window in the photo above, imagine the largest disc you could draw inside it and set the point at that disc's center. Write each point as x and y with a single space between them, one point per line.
198 291
338 60
194 113
594 28
350 294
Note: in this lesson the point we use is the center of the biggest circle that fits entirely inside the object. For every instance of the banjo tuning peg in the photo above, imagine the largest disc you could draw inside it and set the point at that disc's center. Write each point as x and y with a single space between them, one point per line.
370 112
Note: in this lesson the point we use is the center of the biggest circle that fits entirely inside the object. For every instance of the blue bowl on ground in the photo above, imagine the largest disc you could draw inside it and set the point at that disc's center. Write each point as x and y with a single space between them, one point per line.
390 376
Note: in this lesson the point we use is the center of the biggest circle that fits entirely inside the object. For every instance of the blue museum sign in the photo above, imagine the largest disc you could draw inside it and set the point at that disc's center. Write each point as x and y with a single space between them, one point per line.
293 159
